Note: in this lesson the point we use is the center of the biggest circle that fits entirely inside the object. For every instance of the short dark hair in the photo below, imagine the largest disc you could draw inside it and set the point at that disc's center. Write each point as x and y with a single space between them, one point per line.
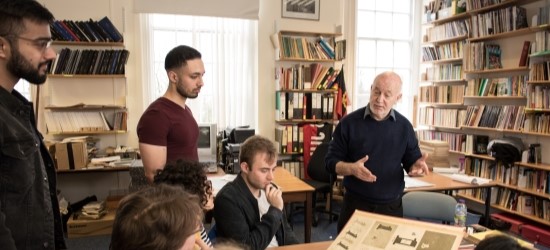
179 56
157 217
254 145
498 242
190 175
13 12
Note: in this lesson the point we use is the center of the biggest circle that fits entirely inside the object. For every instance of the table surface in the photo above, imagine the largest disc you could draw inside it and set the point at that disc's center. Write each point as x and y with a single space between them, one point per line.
290 183
442 182
309 246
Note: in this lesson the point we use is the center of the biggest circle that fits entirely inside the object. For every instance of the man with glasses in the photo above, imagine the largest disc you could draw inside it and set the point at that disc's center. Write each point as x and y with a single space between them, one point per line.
29 209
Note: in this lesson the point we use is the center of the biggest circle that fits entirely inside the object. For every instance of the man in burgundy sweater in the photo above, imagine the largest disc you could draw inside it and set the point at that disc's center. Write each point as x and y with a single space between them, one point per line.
167 130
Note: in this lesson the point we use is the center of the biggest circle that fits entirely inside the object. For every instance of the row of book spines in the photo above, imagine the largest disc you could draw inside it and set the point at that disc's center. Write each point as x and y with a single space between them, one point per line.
455 140
522 177
482 56
508 116
539 71
448 30
303 106
290 138
514 201
442 94
499 21
85 121
444 72
506 86
538 97
296 168
90 62
314 76
444 51
85 31
300 47
450 118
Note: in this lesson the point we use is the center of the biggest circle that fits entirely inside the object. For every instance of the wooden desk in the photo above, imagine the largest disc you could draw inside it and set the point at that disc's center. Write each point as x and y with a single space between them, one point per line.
322 245
444 183
296 190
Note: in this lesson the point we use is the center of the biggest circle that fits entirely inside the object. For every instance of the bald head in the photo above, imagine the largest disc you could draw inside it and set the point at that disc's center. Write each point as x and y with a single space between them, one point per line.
390 77
385 92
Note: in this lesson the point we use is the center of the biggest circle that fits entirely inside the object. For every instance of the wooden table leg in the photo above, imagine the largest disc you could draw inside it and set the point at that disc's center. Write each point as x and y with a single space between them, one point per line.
308 213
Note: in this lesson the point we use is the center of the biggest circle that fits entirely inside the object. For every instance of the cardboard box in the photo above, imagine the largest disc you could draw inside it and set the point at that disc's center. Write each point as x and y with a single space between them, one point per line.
113 201
82 228
536 234
71 155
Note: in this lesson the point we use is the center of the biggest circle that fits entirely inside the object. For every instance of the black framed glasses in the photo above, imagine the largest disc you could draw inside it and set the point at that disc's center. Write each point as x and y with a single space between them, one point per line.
40 43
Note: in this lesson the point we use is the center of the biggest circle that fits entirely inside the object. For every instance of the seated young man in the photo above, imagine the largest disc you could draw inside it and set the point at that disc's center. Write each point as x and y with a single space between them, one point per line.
249 209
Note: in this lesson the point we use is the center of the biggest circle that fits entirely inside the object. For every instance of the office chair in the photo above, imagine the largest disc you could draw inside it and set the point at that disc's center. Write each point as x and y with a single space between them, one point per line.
429 206
322 181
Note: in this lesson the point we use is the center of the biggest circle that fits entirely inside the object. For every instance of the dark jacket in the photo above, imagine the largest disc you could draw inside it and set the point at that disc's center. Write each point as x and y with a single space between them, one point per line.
237 217
29 210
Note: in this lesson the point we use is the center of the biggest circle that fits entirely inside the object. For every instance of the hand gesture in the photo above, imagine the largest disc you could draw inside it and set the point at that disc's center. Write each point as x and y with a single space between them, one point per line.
361 172
274 196
420 167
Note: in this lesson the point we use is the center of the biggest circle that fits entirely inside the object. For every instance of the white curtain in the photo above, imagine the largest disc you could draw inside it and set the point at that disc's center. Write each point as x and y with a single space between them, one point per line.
228 47
246 9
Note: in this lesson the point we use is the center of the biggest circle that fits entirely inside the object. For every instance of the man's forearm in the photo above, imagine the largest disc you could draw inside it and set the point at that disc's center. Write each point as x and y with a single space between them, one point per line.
344 168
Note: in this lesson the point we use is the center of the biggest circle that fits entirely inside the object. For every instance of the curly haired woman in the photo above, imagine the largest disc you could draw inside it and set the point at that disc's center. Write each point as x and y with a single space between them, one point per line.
191 176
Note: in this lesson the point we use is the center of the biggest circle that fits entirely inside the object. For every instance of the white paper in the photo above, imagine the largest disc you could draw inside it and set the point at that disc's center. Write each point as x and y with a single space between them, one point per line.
445 170
412 182
470 179
219 181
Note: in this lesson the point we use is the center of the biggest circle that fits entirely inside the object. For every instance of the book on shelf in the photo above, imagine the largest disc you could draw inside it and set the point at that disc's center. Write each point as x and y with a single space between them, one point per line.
481 142
524 58
493 56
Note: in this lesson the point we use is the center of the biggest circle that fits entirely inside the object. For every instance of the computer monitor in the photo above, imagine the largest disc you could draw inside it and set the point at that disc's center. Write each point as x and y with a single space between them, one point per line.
207 142
240 134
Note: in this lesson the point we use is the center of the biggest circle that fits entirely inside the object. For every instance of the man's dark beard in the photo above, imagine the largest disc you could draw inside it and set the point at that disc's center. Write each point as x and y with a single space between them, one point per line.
185 94
19 67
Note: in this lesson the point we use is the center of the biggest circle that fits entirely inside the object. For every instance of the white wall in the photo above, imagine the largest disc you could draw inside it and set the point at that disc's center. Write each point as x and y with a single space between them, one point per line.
120 12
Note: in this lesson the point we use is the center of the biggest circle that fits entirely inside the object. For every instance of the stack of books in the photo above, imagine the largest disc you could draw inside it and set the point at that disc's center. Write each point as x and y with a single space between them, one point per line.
438 153
93 210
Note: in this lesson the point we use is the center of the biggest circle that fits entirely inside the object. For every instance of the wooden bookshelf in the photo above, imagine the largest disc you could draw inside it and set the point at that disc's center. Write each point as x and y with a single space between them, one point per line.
89 44
85 76
93 170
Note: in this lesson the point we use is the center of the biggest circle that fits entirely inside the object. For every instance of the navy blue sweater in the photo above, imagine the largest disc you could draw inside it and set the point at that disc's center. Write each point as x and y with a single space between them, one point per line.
390 144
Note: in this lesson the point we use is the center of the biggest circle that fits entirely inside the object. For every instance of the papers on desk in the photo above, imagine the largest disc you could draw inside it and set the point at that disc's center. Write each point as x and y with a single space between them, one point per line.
470 179
445 170
414 182
219 181
374 231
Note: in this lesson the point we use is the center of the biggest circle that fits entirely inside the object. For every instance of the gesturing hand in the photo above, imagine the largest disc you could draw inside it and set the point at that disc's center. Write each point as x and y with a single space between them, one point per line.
274 196
361 172
420 167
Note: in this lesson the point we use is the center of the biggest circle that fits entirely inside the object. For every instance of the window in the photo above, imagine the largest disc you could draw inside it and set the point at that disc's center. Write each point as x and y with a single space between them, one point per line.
228 47
385 38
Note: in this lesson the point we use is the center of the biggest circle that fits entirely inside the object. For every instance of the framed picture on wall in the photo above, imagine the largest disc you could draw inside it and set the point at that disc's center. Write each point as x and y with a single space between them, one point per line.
302 9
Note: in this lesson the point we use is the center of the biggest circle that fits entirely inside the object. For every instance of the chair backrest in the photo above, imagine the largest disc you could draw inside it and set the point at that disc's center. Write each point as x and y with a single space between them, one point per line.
316 166
429 206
